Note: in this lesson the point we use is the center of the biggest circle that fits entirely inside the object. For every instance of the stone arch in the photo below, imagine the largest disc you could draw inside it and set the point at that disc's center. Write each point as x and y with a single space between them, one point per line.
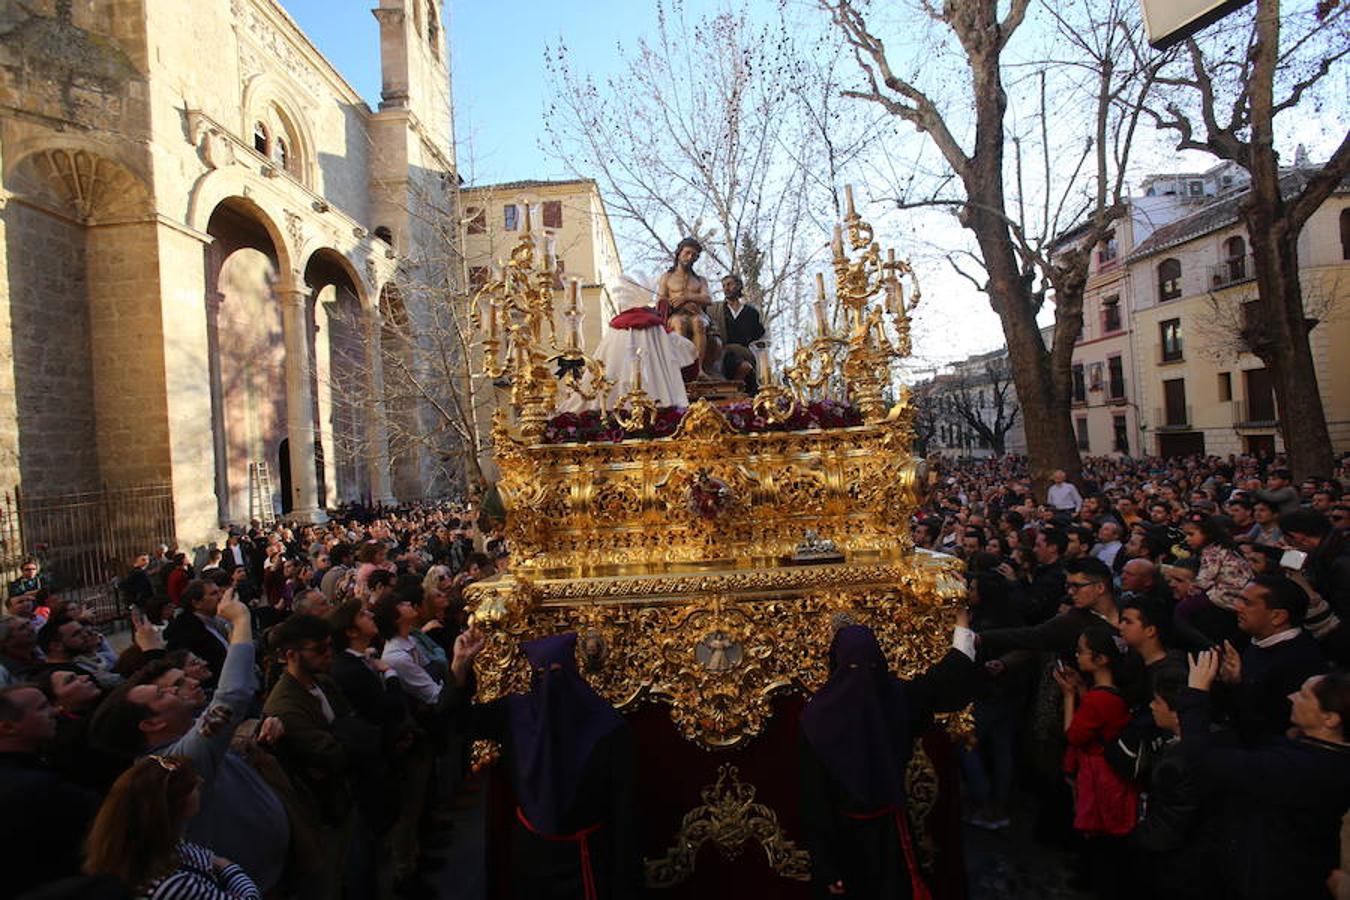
246 350
273 102
79 184
79 298
242 190
340 379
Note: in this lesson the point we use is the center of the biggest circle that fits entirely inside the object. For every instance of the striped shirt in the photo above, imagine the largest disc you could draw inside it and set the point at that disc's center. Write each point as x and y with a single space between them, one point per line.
197 879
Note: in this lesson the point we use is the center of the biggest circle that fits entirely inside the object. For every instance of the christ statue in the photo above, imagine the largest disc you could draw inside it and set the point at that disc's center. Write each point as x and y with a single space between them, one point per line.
682 294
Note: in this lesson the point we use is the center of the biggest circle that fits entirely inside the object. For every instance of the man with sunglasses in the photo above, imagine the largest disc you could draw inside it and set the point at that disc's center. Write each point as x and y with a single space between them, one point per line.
1091 601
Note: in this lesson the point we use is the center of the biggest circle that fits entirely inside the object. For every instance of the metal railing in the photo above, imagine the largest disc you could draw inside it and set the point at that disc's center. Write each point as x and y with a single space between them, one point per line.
1233 270
84 541
1243 416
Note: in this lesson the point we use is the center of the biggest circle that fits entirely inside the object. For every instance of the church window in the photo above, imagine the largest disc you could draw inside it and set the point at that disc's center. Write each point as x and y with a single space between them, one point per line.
260 137
434 30
281 154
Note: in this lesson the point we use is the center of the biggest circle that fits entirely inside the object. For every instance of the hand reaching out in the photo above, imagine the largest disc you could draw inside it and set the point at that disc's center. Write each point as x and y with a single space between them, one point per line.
468 645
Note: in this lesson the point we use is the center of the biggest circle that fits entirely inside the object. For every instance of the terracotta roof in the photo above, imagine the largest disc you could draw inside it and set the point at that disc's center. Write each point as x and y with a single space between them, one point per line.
1212 217
529 183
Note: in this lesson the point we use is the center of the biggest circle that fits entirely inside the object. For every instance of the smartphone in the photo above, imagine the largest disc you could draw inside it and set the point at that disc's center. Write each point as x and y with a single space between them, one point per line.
1059 665
1293 559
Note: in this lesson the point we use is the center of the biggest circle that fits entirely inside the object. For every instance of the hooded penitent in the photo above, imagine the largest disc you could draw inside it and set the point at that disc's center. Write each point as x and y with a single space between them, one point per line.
858 723
554 729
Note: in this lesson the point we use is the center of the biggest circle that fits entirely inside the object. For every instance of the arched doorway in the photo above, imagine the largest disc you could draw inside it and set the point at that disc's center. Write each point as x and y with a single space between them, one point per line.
283 463
247 354
340 380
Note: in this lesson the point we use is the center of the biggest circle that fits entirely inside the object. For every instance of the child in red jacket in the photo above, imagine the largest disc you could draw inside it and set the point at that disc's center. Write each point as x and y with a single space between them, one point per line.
1105 804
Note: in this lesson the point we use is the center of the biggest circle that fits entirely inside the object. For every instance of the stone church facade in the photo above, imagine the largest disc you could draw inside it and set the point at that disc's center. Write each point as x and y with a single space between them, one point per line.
203 233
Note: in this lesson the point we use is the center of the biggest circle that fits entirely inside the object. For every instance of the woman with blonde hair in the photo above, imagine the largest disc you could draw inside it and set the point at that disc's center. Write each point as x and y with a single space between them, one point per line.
137 837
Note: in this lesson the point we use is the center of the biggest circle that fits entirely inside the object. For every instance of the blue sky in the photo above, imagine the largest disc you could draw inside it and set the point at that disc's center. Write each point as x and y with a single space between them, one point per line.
500 88
497 53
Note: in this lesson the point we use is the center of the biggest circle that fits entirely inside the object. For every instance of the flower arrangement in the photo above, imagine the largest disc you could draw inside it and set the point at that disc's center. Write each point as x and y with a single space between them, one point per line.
708 496
590 427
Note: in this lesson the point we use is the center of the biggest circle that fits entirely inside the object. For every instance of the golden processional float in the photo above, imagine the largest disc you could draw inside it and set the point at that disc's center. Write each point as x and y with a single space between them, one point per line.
705 557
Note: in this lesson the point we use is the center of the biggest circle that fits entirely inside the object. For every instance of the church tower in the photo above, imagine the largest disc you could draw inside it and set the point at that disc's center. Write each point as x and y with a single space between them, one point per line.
413 182
415 65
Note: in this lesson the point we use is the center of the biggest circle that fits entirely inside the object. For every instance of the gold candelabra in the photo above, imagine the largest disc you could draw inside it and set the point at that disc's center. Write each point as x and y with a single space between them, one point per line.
519 302
866 348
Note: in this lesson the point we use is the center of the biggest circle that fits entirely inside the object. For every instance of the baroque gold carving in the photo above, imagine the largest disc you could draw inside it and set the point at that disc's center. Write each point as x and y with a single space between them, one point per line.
921 787
578 508
662 634
729 819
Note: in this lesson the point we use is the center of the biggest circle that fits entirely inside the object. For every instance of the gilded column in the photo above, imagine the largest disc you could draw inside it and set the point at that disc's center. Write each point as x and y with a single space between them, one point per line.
300 407
377 423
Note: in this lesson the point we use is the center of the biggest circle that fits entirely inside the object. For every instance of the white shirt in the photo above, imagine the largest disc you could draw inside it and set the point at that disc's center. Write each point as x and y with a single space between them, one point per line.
323 703
963 639
1107 552
1278 637
407 662
1064 496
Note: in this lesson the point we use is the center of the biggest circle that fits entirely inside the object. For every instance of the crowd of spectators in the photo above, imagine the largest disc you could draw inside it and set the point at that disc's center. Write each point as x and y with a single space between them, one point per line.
287 721
1165 644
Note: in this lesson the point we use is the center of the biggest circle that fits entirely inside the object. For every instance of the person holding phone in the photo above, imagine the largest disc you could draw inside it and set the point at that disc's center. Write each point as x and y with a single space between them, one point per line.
1256 682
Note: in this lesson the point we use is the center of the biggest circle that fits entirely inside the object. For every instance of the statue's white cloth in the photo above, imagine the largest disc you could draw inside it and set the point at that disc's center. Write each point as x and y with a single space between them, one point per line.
663 354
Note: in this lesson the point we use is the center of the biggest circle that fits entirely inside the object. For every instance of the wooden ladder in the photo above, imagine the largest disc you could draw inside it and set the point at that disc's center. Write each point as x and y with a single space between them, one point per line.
260 493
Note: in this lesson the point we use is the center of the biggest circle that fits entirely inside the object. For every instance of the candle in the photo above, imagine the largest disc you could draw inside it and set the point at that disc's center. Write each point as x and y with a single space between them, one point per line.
822 321
848 200
838 243
637 369
525 208
574 315
492 320
764 363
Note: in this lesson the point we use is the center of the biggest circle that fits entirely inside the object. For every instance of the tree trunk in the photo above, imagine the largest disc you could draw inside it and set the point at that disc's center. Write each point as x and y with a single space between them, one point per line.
1042 391
1281 342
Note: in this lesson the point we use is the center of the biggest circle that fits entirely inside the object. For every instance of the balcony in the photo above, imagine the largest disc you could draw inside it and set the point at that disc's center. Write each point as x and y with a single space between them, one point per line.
1262 415
1234 270
1172 418
1167 356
